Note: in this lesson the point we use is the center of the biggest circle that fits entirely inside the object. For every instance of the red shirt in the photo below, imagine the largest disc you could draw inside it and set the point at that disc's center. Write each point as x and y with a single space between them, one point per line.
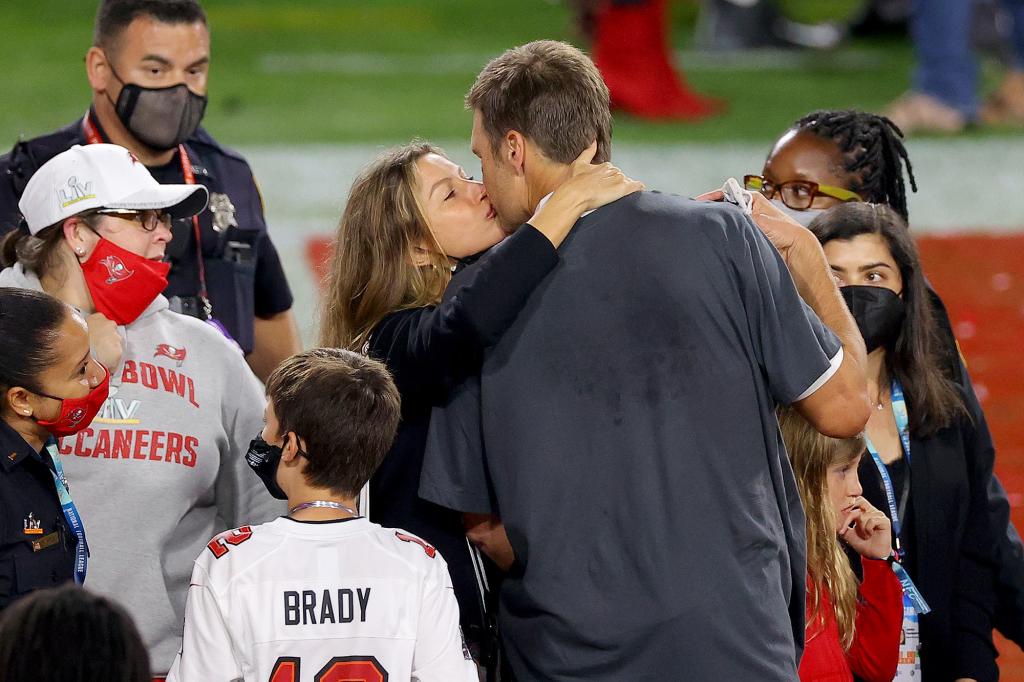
876 640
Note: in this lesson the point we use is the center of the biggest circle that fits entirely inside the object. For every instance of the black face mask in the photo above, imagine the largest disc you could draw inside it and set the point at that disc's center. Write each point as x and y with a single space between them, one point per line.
264 458
160 118
879 313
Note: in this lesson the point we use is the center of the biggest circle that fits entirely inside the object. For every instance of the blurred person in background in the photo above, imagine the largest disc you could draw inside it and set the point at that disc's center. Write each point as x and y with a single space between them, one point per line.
70 634
862 154
631 45
930 455
853 628
148 69
944 91
52 387
162 467
411 216
752 24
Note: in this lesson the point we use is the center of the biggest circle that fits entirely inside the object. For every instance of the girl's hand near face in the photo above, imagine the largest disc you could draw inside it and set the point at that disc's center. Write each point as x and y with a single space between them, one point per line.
867 530
587 187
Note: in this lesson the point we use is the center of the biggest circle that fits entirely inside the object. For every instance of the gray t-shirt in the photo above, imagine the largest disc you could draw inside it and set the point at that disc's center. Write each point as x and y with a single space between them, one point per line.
624 429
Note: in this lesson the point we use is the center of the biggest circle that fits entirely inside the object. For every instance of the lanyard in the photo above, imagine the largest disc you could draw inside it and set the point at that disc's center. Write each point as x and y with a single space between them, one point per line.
92 135
67 505
899 412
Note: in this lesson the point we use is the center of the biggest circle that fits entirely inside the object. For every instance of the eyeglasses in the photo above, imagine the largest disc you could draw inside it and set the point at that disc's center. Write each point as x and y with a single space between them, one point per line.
797 194
148 220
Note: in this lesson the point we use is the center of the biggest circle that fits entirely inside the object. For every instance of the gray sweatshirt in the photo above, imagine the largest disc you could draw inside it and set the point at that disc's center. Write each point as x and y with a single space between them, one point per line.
161 470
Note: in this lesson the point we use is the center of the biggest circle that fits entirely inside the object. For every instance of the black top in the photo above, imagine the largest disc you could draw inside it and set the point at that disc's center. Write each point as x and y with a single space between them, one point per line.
243 270
951 544
426 350
625 431
37 549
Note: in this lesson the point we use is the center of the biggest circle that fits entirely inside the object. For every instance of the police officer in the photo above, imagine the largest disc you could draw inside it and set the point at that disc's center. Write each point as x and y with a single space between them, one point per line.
51 387
148 72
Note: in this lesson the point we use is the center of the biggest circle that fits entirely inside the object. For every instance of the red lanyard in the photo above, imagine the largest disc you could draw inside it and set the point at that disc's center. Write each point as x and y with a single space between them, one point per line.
92 136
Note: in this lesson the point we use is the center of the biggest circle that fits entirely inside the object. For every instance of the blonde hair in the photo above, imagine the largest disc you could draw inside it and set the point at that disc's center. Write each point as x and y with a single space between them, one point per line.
372 273
812 454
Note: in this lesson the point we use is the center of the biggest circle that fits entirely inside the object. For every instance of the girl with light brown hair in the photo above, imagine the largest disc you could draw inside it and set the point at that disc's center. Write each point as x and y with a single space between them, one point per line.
412 217
851 628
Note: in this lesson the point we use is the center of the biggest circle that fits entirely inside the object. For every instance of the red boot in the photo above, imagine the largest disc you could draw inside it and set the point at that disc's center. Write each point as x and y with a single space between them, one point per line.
631 50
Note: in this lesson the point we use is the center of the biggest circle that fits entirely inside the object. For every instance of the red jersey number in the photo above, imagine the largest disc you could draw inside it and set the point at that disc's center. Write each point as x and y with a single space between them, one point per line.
219 545
338 669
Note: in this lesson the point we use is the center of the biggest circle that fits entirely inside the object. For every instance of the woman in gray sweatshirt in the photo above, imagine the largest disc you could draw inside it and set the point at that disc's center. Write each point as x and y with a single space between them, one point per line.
162 468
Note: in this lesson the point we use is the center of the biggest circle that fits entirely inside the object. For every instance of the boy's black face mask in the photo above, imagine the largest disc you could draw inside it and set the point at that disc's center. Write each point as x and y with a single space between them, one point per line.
264 458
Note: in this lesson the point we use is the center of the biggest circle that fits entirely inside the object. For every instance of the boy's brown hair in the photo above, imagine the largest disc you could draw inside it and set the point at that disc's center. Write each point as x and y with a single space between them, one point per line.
550 92
344 407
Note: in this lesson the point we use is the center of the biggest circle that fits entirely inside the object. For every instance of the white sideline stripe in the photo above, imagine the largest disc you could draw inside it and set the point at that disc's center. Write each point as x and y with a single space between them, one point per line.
967 186
470 63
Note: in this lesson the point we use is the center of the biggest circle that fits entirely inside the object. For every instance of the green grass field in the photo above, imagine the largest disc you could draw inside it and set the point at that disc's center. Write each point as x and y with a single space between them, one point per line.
386 70
383 71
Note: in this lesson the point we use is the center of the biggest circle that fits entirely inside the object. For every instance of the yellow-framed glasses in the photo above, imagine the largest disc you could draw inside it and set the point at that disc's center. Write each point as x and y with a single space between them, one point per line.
797 194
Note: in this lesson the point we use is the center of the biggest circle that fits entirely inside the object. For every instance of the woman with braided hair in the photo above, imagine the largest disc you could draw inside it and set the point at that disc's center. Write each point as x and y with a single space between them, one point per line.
831 156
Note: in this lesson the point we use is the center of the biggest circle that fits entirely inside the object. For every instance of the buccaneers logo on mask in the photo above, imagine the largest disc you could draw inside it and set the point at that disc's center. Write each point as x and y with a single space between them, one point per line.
116 270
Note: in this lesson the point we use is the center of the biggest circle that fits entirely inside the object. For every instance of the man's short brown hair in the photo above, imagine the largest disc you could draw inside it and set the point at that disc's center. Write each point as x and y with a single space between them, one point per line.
551 93
344 407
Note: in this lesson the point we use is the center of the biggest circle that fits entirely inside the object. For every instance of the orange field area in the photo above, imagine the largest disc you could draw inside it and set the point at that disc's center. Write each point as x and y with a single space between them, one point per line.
981 279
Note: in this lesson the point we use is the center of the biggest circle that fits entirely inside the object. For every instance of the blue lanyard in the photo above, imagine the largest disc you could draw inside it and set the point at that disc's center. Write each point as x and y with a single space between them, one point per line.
899 412
67 505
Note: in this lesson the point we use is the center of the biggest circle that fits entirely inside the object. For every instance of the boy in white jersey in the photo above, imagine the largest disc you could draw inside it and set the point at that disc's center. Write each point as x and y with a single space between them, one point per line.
322 594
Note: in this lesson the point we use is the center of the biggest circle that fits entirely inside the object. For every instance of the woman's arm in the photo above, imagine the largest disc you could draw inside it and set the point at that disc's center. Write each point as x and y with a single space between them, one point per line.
429 348
875 651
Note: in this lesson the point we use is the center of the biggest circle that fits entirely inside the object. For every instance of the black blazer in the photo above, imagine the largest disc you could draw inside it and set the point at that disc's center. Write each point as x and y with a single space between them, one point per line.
954 544
428 350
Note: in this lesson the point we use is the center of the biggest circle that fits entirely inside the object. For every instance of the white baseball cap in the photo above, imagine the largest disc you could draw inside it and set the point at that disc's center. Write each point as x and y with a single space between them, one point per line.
101 176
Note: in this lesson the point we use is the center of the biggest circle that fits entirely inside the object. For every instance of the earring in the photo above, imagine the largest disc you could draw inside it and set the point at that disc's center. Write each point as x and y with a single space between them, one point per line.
79 250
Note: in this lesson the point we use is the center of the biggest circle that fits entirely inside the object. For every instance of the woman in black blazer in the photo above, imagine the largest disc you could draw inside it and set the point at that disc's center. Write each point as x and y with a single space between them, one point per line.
930 457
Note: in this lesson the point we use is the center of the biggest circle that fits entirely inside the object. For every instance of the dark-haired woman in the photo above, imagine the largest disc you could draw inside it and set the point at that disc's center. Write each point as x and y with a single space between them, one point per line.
52 387
70 635
929 465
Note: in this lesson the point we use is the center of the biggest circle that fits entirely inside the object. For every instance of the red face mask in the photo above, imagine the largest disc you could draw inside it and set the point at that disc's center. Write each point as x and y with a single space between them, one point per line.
77 413
122 283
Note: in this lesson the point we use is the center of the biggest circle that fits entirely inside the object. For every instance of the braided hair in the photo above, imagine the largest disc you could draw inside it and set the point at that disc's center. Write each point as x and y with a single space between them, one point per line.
873 153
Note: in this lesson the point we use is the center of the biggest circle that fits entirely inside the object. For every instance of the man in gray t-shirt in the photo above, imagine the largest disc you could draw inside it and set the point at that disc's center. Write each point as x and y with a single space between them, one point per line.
624 429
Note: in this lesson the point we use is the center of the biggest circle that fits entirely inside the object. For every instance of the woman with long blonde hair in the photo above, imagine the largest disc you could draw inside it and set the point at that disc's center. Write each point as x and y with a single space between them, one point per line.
851 628
412 216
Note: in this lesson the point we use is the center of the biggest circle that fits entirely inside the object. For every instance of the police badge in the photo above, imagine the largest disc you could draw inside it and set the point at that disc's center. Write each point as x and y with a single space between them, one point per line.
223 211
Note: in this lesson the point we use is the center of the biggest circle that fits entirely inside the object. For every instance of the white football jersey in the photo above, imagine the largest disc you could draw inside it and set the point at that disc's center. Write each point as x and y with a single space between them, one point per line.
329 601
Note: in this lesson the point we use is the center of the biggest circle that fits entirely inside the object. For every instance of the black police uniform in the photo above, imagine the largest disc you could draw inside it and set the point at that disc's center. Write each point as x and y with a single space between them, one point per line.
243 272
37 549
